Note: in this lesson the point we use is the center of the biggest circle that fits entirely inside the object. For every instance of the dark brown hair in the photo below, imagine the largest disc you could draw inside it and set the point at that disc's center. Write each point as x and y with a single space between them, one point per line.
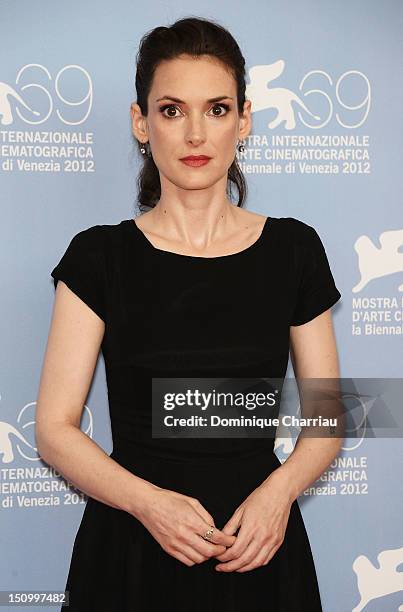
193 36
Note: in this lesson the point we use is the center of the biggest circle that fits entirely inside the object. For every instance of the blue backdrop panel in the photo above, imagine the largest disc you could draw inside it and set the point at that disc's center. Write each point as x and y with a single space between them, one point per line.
325 80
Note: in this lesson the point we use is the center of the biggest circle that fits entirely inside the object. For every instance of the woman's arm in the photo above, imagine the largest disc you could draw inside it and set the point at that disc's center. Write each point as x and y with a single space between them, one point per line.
314 355
71 354
73 346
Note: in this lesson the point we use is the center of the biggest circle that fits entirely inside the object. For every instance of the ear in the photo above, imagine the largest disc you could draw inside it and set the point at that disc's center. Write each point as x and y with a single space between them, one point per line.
139 122
245 120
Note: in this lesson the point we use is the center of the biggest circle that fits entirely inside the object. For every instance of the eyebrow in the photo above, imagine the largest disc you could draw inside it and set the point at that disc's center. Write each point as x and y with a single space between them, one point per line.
216 99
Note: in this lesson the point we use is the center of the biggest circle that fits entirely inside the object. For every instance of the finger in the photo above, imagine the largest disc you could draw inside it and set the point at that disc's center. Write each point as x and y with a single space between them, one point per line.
247 556
237 549
260 560
193 554
217 537
204 547
232 553
272 552
183 558
222 539
232 525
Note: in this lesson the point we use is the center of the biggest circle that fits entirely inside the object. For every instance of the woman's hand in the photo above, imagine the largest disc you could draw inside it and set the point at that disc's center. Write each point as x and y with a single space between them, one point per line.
262 518
177 521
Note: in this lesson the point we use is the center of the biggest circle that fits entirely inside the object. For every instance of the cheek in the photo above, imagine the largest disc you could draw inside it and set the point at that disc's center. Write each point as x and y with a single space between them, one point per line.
226 137
161 134
170 142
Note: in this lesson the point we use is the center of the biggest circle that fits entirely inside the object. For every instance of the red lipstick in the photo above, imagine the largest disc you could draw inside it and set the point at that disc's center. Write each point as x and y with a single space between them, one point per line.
195 160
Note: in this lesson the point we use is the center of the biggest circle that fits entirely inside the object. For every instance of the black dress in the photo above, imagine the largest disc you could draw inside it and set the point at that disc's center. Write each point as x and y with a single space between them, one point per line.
173 315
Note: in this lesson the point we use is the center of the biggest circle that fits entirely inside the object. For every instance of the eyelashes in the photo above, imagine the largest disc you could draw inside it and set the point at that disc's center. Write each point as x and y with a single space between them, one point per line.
162 110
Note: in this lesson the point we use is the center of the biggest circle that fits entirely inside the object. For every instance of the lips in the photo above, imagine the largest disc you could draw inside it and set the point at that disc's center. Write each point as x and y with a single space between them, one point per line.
195 160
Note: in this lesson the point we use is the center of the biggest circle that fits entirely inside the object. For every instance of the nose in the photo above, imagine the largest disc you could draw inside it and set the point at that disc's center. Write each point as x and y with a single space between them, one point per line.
196 133
195 137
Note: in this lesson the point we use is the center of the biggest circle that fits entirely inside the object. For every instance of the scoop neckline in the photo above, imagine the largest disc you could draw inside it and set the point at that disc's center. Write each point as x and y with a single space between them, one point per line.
254 245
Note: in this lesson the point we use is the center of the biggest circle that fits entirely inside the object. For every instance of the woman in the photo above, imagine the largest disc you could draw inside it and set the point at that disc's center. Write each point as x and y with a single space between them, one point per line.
196 287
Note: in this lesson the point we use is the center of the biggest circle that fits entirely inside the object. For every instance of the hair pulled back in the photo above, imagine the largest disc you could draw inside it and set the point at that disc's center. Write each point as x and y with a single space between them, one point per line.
193 36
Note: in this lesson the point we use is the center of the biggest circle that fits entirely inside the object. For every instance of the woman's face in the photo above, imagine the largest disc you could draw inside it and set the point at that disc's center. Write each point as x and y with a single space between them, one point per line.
190 124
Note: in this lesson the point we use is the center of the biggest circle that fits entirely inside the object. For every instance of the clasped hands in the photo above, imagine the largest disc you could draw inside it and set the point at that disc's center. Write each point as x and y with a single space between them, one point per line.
262 520
176 522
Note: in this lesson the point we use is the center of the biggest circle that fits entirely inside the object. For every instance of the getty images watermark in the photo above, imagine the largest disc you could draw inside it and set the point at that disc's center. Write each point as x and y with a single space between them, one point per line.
262 407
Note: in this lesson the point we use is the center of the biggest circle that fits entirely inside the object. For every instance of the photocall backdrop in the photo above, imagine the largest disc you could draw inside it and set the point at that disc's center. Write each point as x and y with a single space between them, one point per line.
326 84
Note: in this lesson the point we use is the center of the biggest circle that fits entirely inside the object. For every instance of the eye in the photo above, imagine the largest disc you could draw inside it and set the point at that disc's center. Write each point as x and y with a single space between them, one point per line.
174 107
164 108
224 106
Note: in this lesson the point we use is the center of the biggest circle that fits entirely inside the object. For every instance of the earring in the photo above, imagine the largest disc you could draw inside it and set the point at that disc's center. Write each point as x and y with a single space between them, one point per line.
145 148
241 145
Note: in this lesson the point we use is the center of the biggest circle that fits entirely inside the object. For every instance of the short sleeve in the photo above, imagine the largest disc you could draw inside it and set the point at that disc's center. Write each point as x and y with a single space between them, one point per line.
81 268
316 288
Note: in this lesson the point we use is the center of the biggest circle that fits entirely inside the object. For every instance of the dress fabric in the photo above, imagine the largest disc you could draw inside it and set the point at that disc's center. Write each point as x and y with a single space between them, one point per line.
173 315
